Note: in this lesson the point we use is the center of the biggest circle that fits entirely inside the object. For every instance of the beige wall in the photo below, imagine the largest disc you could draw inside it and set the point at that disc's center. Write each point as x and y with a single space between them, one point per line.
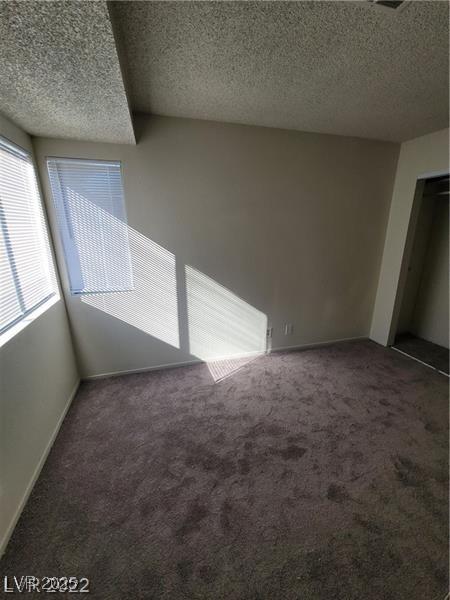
37 378
430 319
231 225
427 155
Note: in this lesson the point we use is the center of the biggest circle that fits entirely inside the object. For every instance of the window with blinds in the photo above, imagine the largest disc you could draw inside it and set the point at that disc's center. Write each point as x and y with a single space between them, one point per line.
27 277
88 198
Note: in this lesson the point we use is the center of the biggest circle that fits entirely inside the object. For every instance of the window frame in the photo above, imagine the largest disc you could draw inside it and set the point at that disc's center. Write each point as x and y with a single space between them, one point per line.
24 319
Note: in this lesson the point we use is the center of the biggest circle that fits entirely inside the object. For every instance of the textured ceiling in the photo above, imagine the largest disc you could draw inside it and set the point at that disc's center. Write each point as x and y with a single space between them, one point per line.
60 73
348 68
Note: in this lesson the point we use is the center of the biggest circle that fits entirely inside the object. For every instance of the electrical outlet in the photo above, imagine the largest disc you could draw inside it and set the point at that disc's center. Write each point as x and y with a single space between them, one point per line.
288 329
269 332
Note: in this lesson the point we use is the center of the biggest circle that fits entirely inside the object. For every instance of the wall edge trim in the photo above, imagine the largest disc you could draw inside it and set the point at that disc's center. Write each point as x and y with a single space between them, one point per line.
37 471
319 344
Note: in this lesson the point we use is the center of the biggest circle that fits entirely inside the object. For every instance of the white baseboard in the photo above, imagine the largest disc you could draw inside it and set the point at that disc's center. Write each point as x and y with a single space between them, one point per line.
318 344
161 367
197 361
36 473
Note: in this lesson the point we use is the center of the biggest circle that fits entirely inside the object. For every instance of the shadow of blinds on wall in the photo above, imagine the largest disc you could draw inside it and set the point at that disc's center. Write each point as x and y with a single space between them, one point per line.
27 277
89 202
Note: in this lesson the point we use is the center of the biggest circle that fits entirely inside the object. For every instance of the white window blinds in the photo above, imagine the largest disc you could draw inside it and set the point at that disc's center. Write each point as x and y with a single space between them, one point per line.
27 277
88 197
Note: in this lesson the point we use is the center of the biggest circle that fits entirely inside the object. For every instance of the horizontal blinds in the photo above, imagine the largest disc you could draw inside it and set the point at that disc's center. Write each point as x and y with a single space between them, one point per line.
26 271
88 197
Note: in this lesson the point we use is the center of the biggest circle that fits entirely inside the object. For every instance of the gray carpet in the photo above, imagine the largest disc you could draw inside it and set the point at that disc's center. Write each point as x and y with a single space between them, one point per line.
429 353
314 475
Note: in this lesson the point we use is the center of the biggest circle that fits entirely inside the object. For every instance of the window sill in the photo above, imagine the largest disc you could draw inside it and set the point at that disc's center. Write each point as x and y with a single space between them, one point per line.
17 328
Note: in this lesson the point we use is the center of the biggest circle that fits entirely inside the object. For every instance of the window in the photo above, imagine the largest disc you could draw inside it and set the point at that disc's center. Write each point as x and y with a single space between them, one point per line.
89 203
27 277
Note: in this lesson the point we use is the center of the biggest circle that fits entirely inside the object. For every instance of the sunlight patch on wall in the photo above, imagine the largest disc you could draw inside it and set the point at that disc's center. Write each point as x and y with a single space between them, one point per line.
222 329
221 325
151 305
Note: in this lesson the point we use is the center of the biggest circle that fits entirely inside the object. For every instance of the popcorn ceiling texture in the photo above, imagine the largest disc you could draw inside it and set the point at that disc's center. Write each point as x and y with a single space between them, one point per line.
59 71
348 68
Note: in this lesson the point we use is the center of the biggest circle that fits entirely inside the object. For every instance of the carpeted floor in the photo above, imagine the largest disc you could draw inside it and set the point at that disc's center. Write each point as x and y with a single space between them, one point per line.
313 475
429 353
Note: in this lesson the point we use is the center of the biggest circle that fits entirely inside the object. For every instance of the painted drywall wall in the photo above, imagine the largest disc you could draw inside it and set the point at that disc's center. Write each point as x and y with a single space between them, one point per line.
421 157
430 319
38 375
232 227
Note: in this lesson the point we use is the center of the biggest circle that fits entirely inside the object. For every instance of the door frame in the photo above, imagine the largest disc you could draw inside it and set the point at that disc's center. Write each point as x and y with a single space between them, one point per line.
406 258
